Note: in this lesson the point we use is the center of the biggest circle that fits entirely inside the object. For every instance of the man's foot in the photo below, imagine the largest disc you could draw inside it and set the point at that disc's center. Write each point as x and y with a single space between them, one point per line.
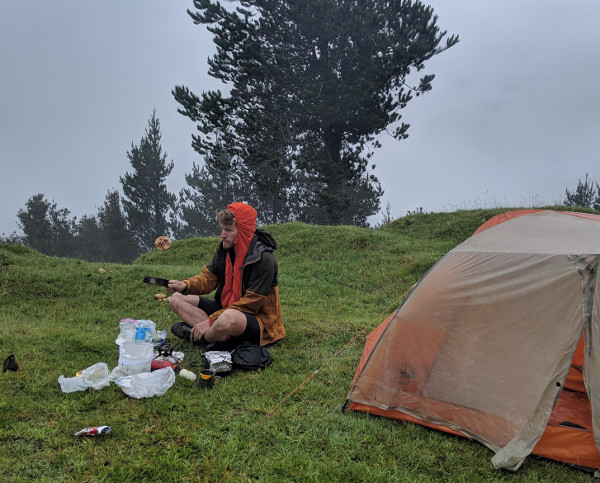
181 330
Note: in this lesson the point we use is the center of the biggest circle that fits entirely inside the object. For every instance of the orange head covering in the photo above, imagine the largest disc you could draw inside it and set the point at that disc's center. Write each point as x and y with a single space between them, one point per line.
245 218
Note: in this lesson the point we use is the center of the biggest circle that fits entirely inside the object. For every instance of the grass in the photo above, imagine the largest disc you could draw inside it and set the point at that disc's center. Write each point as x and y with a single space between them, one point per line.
59 316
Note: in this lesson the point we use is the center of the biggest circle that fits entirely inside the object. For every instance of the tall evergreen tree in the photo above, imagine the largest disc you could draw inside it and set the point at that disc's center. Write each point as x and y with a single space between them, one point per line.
210 188
88 241
47 228
51 231
312 84
118 242
35 223
147 202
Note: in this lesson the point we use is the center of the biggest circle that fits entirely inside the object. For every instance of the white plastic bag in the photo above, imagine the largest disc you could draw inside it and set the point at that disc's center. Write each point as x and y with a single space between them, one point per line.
135 357
73 384
139 330
95 376
147 384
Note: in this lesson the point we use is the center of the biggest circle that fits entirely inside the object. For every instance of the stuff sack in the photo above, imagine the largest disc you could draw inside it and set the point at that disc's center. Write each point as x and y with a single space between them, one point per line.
251 357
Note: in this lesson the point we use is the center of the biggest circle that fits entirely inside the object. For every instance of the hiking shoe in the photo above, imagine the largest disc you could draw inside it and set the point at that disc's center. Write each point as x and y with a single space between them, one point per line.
181 330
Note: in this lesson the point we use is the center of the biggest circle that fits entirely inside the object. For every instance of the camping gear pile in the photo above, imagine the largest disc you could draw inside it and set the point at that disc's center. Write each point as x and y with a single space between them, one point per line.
137 341
145 369
499 342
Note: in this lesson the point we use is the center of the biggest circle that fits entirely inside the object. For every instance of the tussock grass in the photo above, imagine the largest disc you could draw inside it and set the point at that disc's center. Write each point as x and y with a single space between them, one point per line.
59 316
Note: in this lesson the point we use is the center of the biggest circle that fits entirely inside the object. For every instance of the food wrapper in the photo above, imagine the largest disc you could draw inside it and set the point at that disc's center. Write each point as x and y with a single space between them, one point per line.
94 431
219 361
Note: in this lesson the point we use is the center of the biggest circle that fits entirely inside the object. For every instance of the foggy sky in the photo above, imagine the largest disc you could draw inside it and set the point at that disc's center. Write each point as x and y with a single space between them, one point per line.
512 120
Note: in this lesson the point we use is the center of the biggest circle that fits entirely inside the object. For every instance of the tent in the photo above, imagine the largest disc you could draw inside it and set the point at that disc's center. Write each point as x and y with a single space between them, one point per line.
498 342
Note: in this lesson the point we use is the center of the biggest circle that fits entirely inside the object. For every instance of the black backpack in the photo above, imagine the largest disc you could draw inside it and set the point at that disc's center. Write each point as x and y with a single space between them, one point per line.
251 357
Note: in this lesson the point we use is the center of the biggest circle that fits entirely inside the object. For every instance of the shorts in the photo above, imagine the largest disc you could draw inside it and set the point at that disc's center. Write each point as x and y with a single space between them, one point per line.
251 333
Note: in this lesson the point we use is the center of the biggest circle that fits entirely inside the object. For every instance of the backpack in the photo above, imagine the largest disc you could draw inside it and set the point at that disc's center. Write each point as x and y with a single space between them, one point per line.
251 357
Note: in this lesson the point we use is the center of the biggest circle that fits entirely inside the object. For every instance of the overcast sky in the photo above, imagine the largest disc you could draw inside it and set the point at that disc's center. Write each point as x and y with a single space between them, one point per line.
513 118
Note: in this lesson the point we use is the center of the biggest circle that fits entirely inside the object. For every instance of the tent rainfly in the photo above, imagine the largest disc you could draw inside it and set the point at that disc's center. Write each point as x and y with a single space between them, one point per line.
499 342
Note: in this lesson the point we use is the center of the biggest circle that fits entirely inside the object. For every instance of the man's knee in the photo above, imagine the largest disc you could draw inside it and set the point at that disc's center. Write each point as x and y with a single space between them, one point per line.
232 322
175 300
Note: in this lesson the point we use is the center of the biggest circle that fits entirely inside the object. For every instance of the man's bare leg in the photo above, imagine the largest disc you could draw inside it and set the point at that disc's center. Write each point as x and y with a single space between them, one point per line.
186 306
231 323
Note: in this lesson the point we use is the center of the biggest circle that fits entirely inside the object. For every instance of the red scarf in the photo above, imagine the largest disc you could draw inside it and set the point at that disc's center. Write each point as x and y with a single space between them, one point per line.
245 217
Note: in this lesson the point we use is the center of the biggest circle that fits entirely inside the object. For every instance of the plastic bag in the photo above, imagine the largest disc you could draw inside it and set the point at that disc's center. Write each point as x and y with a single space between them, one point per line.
95 377
135 357
73 384
147 384
139 330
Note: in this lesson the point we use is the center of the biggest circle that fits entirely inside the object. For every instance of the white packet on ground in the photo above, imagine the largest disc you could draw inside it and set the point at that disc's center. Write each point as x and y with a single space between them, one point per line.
147 384
73 384
95 377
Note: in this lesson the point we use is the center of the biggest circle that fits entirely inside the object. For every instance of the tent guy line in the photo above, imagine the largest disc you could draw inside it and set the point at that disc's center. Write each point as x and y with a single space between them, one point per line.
364 331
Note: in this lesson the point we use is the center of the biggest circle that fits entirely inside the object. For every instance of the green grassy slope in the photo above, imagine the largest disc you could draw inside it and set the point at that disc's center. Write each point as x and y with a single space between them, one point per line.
59 316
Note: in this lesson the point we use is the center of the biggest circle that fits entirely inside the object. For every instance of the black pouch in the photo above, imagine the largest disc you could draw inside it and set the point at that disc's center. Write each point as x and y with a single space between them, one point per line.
251 357
10 364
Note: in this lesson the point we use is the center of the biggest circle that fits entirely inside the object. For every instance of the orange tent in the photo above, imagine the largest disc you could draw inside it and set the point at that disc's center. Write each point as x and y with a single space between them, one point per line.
498 342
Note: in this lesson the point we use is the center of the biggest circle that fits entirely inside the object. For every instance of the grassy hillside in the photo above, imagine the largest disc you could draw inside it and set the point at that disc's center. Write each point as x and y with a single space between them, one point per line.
59 316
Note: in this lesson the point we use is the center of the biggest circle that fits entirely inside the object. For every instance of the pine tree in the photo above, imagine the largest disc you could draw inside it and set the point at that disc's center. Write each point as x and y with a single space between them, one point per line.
118 243
47 228
312 84
586 195
88 241
35 223
147 203
210 188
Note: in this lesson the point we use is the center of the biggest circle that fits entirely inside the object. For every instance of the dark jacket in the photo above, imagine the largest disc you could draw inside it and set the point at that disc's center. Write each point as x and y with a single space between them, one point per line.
260 290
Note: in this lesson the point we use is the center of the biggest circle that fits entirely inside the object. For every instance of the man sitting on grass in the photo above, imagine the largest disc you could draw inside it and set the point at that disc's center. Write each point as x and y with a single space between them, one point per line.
243 270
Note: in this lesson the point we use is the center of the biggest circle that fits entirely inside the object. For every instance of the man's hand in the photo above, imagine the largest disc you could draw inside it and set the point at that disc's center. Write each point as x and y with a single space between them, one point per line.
199 330
176 286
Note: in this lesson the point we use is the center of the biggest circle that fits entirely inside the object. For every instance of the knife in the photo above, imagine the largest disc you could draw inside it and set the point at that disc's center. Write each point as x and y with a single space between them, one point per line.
161 282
